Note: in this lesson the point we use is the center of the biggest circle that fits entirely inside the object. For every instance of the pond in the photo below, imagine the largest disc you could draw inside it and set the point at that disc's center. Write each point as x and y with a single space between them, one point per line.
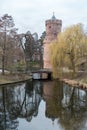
42 105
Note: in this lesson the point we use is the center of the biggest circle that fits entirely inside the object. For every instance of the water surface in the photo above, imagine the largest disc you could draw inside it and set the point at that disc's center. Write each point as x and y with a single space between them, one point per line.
42 105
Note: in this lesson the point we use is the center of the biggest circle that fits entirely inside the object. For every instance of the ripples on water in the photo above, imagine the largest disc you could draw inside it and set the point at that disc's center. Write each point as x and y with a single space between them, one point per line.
42 105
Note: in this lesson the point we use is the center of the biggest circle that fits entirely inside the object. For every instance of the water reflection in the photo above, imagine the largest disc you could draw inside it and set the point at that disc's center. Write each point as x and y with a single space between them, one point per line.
53 95
65 104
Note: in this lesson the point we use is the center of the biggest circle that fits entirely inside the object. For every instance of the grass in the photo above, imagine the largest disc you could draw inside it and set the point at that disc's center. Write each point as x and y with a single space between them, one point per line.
9 78
82 78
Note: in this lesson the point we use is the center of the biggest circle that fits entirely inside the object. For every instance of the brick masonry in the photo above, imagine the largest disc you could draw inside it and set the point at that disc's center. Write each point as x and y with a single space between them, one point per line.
53 27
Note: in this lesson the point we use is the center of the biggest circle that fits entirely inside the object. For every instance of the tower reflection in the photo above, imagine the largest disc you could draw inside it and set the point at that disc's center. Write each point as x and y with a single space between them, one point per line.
53 95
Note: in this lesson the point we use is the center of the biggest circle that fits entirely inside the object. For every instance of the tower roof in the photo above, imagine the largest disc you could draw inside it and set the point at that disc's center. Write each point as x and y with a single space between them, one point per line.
53 17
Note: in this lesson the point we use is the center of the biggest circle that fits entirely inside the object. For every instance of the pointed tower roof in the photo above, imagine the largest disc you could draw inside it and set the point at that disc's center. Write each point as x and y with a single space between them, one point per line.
53 17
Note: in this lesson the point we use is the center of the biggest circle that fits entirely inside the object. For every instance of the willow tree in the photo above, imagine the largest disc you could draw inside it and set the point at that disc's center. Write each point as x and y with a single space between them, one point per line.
69 48
57 58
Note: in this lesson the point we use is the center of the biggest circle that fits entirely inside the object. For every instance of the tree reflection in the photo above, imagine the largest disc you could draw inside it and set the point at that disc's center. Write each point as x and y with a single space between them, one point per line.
74 106
19 101
66 104
6 123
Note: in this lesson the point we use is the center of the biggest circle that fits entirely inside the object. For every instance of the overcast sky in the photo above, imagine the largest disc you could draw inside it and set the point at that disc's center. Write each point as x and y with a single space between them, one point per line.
31 14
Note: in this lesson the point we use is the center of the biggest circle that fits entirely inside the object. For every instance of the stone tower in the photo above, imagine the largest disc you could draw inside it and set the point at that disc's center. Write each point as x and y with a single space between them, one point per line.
53 27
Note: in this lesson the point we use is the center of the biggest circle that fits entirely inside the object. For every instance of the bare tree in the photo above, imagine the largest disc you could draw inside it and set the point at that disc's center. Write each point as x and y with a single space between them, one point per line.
40 42
33 49
6 24
27 43
14 53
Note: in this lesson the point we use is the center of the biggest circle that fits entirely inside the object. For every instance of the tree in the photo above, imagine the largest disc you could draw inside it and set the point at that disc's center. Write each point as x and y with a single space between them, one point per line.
27 43
42 37
6 24
69 48
14 53
33 49
40 43
57 57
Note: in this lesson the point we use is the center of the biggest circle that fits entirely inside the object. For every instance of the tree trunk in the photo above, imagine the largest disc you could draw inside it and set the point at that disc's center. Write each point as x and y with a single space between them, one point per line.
3 66
3 56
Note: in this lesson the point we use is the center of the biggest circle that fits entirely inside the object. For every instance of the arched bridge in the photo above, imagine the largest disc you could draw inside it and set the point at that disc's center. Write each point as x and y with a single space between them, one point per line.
42 74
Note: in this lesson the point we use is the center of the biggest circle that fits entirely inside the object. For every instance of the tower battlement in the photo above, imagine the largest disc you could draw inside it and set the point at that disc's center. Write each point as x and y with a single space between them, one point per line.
57 21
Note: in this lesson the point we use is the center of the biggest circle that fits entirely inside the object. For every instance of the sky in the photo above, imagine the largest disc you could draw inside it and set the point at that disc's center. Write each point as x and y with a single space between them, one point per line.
30 15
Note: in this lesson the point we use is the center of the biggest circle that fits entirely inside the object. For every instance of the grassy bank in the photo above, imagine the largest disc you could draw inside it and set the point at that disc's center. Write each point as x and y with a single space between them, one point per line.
78 80
80 76
10 78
